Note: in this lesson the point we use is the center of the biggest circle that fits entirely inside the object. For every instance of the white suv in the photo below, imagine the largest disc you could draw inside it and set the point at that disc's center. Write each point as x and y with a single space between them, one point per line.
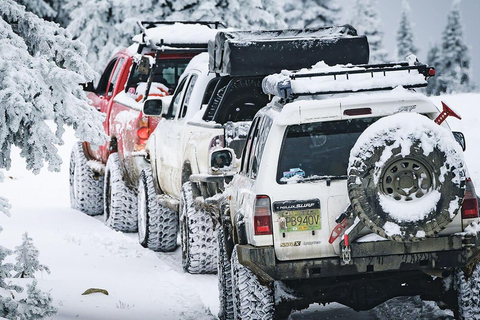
348 196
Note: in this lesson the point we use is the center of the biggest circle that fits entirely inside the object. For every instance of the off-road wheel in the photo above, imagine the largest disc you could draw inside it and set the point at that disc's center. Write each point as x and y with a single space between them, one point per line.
157 224
120 203
251 299
86 188
199 239
406 177
467 287
224 280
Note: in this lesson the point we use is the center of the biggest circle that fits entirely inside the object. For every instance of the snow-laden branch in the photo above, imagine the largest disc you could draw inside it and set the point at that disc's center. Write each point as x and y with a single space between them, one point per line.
41 69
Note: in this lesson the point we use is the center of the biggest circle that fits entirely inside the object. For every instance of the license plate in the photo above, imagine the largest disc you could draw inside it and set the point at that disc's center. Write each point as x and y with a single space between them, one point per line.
298 215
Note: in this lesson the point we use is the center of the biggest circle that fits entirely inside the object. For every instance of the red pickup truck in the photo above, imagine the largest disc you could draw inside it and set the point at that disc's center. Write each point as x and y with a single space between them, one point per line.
103 179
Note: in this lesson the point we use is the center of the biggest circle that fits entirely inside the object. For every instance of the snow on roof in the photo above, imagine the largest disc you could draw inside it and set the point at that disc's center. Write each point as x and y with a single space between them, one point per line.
199 62
315 33
177 33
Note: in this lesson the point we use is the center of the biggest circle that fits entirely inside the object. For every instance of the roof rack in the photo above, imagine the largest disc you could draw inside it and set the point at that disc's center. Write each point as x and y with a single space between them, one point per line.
171 41
348 79
153 24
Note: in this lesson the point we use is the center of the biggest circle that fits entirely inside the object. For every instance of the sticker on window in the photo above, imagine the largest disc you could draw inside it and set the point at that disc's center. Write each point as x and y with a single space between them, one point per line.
293 172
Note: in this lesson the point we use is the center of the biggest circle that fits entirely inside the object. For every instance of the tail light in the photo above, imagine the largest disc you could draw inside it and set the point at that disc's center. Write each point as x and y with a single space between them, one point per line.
470 203
216 143
143 132
262 219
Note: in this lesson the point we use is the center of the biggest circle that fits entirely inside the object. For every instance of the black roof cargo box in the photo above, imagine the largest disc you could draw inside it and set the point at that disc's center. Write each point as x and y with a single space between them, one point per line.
250 53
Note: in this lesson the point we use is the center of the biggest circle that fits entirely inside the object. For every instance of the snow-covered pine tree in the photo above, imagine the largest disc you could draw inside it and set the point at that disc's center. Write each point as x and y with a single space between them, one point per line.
41 68
37 305
27 259
405 36
311 13
39 7
61 14
434 59
8 306
105 26
365 18
455 73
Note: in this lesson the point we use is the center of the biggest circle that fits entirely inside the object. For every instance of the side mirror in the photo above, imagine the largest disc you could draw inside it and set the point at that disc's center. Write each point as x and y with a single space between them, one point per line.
222 160
460 138
88 86
152 107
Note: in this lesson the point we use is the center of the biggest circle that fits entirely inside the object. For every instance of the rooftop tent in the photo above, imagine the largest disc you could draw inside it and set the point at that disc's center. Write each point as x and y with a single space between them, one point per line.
250 53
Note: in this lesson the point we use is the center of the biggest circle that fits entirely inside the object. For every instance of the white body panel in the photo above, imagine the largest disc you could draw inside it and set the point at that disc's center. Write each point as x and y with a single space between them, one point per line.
170 145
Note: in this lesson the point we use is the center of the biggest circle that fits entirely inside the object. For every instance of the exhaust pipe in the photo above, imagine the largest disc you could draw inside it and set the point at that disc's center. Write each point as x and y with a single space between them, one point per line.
439 273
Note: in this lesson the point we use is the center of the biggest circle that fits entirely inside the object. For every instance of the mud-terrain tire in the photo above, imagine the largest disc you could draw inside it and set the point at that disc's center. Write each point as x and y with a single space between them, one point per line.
198 234
224 280
251 299
157 224
468 293
86 188
120 203
406 177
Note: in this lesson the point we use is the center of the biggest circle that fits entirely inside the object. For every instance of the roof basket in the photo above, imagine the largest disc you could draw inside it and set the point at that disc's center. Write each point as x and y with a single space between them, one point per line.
350 78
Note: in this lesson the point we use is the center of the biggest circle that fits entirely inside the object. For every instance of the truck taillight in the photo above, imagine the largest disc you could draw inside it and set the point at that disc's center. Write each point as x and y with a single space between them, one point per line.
143 132
470 203
262 219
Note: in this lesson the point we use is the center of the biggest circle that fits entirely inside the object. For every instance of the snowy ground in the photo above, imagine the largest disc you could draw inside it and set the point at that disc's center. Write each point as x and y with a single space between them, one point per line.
82 253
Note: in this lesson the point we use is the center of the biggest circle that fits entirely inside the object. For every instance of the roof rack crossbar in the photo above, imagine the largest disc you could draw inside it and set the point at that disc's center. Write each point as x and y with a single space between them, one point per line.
153 24
296 95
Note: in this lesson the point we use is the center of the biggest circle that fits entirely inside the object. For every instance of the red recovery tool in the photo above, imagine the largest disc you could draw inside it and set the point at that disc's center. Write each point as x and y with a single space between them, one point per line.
338 230
447 112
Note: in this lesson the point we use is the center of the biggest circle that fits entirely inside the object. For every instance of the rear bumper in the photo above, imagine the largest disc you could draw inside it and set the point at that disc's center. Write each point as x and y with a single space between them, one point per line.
432 254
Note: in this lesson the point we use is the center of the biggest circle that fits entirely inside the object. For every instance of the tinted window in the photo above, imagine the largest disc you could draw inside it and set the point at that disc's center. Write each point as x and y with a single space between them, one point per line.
248 147
169 71
319 150
115 76
103 83
188 94
177 99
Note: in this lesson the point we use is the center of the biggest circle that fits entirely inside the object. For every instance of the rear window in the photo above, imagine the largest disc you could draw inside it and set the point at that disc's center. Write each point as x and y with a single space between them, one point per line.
321 150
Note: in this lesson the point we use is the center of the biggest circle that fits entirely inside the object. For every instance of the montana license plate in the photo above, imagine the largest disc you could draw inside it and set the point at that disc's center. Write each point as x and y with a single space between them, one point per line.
302 215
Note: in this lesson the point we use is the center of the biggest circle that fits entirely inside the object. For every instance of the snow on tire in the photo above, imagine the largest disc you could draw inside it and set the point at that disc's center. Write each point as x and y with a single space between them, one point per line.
251 299
86 191
199 239
120 203
224 280
157 224
468 293
406 177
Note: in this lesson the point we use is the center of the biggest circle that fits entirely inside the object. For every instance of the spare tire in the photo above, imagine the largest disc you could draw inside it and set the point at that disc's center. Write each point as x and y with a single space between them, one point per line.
406 177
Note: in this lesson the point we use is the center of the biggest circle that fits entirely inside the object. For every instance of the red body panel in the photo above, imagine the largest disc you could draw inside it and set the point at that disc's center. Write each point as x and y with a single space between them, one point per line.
121 122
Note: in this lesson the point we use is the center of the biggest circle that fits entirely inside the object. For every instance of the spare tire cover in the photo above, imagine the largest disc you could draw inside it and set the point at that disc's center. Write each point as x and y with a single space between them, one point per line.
406 177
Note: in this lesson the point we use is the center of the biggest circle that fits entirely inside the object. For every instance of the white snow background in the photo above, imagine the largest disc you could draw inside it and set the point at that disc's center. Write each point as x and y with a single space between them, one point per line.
82 253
